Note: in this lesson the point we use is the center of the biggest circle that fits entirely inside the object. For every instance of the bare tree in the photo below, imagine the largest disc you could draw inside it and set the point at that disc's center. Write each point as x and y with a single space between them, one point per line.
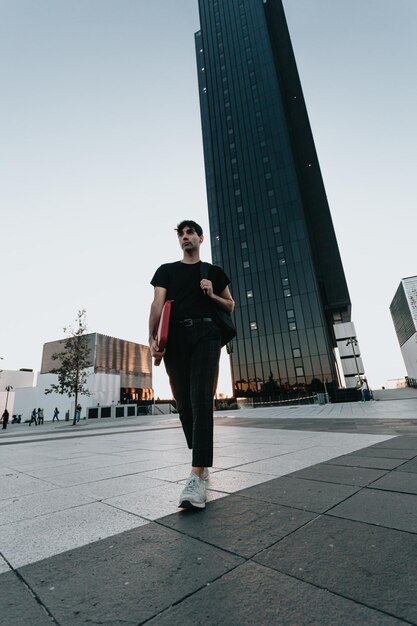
73 362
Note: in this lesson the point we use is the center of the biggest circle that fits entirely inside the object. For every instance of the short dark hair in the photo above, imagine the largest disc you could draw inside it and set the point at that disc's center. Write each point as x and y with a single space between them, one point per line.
196 227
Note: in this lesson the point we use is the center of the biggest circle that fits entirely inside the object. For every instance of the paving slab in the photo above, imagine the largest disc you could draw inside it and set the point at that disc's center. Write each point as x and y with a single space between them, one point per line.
409 466
279 465
76 465
230 481
32 540
239 525
364 425
113 471
341 474
103 489
355 460
304 457
399 443
67 458
365 563
172 474
3 566
51 471
32 506
397 481
18 606
156 502
309 495
384 508
17 484
387 453
7 471
251 595
125 579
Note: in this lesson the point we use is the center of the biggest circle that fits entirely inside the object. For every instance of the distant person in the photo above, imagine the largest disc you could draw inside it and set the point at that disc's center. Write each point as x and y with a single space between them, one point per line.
33 417
55 416
40 416
5 417
364 389
78 412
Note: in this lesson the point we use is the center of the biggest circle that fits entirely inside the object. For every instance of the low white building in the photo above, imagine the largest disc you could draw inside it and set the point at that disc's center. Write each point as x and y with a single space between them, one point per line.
12 381
119 371
404 315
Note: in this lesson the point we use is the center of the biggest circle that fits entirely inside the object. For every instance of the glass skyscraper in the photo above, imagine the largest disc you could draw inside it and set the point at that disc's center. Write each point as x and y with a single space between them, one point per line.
270 223
404 315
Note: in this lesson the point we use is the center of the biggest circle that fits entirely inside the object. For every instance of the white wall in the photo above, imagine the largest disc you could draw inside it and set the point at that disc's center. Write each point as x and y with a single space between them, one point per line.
6 398
409 352
104 389
17 380
33 397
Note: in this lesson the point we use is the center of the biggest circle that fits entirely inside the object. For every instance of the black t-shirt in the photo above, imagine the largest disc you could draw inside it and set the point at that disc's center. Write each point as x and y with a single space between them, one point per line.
182 282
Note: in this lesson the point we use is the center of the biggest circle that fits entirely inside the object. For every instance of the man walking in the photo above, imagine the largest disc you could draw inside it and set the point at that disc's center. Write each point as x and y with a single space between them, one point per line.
193 350
33 417
5 418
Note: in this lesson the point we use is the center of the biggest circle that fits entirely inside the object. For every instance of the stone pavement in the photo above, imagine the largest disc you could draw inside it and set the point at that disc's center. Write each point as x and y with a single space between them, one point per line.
311 525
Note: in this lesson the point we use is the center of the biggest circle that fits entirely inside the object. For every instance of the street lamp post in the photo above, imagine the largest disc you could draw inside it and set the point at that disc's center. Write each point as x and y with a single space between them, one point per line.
354 342
8 389
326 393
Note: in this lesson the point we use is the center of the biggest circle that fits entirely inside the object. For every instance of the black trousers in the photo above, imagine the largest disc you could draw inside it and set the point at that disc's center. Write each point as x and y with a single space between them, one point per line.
192 364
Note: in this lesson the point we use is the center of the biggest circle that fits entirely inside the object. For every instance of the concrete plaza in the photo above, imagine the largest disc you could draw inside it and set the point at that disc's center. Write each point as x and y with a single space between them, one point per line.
311 519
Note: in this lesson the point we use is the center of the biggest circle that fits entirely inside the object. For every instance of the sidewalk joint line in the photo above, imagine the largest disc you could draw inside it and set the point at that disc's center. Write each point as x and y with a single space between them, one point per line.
22 579
191 593
333 592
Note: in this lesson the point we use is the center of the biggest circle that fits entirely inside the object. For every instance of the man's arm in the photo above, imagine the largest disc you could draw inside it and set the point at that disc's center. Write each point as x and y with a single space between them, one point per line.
224 300
154 316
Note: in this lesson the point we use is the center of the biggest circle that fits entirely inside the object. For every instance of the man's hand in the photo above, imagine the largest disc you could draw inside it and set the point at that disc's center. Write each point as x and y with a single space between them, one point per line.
154 317
207 286
155 351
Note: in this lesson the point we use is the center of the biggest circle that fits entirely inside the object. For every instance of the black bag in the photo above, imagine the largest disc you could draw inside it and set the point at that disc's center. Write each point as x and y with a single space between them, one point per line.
222 318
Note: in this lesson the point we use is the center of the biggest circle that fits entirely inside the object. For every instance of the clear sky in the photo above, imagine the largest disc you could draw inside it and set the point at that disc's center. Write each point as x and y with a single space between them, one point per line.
101 156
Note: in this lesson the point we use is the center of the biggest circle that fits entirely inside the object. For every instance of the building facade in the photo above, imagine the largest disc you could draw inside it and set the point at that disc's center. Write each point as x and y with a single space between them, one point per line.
108 356
118 372
270 222
404 315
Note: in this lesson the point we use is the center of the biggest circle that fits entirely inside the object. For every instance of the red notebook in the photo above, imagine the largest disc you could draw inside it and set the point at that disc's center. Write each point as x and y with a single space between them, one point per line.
163 328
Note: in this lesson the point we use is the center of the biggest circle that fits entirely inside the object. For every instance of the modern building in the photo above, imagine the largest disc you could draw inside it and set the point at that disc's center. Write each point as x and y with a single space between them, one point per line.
117 364
404 315
270 223
119 372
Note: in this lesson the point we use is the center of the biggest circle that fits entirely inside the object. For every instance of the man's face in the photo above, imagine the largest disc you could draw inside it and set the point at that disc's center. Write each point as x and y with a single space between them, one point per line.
188 239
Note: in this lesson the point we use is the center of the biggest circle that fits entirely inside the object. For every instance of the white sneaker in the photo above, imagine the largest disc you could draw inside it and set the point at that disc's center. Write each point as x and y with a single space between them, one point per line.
206 474
194 494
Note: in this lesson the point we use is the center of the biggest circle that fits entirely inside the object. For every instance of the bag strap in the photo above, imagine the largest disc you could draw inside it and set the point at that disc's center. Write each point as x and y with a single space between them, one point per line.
204 273
204 270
